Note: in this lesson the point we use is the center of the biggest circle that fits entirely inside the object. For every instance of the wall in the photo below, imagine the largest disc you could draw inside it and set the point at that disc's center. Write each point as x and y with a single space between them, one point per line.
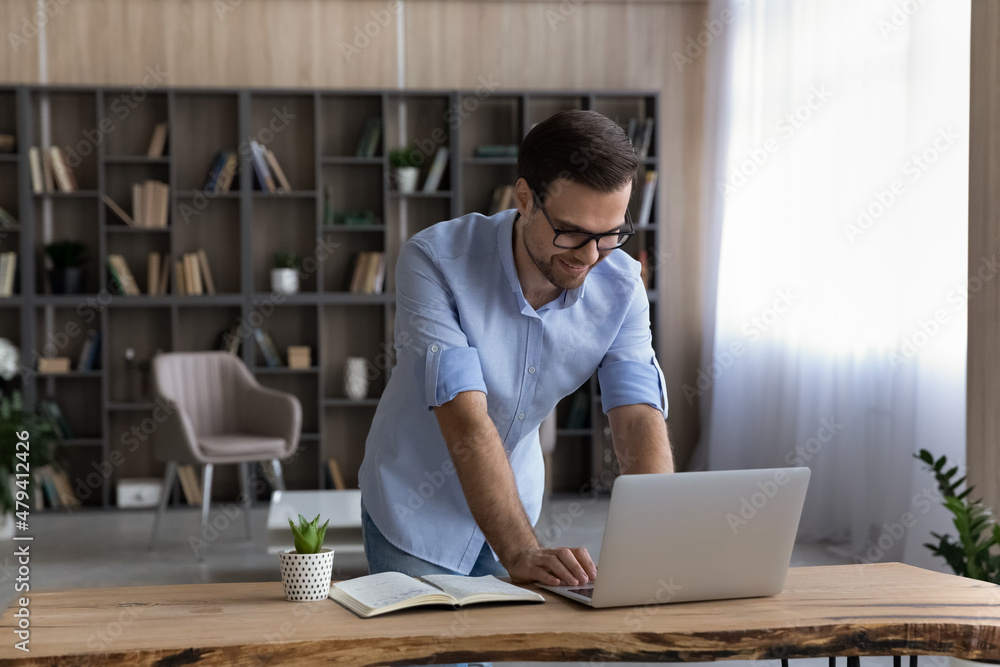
983 412
609 44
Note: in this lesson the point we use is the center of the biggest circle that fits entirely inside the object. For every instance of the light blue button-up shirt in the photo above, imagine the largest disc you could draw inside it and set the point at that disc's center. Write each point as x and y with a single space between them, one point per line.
463 324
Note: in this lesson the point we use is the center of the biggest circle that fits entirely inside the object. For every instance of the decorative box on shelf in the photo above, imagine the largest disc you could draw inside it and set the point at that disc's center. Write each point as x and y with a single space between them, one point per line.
53 365
299 356
139 492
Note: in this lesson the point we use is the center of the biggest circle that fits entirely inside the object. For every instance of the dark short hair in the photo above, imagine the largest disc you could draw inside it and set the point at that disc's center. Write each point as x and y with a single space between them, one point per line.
580 146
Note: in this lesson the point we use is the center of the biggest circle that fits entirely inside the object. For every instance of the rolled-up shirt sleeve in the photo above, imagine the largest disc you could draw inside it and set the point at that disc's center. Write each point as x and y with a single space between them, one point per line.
629 373
428 332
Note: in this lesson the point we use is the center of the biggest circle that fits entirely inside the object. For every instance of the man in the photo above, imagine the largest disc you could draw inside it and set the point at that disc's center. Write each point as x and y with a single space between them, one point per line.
497 319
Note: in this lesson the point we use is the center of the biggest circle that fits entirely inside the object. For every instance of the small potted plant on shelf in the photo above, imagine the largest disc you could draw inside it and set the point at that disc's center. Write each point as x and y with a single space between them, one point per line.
285 274
307 569
406 162
66 274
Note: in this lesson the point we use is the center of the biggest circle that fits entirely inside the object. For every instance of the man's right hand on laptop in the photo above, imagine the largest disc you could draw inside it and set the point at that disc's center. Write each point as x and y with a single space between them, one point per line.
561 566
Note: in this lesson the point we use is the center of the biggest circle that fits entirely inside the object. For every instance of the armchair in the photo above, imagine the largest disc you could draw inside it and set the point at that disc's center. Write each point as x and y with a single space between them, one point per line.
219 414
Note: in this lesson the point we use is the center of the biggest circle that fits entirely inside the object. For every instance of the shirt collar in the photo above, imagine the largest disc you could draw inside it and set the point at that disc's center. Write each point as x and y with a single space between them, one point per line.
505 243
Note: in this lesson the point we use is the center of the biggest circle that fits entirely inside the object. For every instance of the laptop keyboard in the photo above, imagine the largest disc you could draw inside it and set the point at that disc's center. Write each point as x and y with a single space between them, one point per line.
587 592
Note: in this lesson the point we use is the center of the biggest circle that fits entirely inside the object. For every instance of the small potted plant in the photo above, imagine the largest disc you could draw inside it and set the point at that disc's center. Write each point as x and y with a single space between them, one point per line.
66 274
14 419
285 274
307 569
406 162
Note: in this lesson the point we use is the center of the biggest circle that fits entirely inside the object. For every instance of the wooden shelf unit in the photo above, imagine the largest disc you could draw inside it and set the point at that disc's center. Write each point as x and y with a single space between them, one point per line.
105 132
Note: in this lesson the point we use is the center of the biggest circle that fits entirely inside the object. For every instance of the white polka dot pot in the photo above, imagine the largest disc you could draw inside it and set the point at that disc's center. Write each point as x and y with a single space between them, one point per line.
306 576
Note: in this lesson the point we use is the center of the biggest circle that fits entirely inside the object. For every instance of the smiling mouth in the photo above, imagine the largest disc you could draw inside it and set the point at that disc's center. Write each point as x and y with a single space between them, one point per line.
573 268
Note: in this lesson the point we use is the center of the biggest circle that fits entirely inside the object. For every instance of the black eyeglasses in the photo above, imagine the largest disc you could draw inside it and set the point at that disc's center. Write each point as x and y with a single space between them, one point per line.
575 240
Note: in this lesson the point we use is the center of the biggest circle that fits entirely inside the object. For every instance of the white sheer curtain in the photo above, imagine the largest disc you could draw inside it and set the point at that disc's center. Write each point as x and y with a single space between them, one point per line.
837 255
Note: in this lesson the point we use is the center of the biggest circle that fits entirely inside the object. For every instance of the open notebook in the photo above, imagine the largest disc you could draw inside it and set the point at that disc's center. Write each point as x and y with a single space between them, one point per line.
391 591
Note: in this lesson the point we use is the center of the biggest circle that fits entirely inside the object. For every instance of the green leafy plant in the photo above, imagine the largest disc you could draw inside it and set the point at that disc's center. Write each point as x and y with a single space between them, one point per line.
67 254
287 259
42 438
978 533
405 157
308 535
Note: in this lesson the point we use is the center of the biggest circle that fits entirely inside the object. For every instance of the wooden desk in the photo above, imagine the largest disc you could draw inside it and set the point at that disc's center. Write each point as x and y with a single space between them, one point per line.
851 610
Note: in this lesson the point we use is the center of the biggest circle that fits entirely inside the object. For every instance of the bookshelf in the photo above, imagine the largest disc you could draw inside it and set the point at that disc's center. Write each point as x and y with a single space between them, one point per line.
314 135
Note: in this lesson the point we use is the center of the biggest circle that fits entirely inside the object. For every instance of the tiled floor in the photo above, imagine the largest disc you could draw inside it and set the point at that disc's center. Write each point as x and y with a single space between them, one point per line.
100 549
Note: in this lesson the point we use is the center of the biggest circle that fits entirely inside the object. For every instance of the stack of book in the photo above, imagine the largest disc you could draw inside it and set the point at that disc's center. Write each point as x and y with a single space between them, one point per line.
157 273
640 133
369 273
192 274
50 170
8 270
122 275
368 141
58 490
270 176
7 221
221 175
150 204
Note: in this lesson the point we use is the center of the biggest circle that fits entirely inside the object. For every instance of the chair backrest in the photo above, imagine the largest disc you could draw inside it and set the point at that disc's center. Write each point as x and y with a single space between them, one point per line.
206 386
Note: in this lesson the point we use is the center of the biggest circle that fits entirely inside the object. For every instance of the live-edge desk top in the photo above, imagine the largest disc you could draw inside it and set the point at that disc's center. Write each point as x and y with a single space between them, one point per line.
847 610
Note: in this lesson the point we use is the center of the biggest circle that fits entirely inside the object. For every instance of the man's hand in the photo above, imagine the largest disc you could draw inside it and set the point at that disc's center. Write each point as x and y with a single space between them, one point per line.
555 567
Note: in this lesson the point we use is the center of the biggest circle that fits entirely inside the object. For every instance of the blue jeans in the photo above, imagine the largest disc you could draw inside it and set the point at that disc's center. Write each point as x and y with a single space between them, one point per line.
385 557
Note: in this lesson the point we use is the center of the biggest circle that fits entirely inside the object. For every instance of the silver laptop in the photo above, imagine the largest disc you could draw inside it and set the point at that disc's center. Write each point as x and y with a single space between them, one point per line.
696 536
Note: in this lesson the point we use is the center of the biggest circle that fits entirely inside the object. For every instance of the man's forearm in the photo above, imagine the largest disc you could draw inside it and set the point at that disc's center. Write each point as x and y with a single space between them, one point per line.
640 438
486 476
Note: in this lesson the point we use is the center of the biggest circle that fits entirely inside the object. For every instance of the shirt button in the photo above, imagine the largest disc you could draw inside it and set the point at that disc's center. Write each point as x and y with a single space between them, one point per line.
521 416
531 370
434 348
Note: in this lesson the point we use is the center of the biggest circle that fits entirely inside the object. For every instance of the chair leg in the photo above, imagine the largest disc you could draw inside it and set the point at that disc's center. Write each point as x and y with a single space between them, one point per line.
279 478
206 485
246 500
169 477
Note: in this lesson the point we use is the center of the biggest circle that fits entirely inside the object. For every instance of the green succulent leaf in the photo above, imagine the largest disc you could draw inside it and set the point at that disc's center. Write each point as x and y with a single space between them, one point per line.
308 535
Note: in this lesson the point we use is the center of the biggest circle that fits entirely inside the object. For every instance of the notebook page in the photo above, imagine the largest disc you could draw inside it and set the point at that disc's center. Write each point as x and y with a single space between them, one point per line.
385 589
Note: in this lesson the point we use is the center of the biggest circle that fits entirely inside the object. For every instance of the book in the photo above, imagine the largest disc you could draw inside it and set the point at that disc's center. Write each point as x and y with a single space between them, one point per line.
267 348
264 178
386 592
370 136
206 271
62 171
437 169
52 412
7 220
161 283
192 273
8 273
153 274
158 141
118 210
64 489
83 363
336 476
123 275
503 198
279 174
225 179
646 140
49 485
47 171
648 191
180 285
37 179
496 150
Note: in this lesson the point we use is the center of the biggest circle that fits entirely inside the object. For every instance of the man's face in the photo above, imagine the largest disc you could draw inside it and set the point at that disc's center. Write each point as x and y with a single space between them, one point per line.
571 207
